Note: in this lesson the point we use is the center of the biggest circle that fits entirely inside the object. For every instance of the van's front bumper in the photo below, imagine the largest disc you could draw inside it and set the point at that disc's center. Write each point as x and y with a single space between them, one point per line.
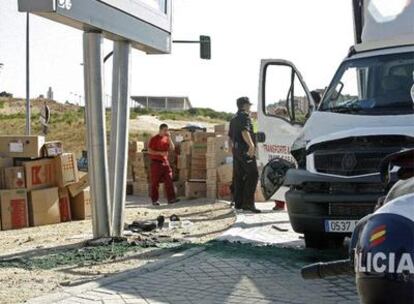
313 198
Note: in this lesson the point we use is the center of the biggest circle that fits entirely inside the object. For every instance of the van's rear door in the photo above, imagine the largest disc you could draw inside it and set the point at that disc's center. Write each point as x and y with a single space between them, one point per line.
284 105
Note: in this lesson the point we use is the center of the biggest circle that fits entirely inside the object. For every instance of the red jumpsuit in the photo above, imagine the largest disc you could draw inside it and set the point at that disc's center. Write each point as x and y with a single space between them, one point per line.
161 171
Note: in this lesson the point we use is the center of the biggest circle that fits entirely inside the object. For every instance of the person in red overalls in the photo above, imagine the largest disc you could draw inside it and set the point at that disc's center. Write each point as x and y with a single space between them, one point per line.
161 171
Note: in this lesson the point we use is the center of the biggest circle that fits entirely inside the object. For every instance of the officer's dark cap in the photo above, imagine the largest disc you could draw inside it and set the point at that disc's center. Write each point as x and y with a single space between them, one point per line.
242 101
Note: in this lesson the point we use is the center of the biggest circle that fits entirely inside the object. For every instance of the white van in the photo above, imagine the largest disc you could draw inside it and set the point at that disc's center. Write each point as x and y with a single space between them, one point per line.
333 149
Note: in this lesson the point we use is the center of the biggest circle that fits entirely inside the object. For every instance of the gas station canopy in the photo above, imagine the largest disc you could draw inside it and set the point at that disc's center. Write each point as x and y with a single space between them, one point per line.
145 23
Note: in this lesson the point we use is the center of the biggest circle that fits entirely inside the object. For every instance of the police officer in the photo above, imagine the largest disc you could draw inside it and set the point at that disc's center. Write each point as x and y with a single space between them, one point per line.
245 172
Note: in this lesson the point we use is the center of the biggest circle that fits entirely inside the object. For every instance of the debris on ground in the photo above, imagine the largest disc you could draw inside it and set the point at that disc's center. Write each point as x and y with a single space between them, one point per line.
280 229
49 257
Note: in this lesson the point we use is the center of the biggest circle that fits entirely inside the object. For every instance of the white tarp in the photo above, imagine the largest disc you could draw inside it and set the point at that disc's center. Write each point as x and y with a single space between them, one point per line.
388 20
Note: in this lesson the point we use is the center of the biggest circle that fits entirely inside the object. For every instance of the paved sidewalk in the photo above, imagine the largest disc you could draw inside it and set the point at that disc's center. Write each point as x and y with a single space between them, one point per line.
225 272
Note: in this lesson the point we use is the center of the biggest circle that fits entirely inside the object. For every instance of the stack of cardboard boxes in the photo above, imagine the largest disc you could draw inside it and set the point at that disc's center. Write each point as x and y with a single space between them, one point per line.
200 156
39 184
219 167
139 171
138 165
202 164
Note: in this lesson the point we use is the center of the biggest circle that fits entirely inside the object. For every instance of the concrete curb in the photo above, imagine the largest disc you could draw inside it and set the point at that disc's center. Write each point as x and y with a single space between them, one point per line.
150 267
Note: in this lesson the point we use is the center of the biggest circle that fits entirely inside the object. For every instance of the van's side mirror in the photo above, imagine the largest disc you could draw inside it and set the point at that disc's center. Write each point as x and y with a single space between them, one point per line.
205 47
260 137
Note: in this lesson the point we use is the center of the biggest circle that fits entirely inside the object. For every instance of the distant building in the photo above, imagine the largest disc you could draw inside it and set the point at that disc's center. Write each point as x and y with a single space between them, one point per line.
163 103
50 94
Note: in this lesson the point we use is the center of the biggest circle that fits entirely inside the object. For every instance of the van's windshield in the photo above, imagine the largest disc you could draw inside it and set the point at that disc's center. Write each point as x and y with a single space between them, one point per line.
378 85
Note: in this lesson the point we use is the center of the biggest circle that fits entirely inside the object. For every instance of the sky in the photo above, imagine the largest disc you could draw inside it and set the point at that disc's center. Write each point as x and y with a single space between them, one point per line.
315 35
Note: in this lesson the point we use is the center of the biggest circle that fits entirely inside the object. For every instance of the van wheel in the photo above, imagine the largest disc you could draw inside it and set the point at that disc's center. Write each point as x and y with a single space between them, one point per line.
318 240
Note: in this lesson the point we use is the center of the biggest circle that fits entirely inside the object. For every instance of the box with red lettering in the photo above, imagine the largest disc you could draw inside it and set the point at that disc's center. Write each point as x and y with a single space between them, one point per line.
40 174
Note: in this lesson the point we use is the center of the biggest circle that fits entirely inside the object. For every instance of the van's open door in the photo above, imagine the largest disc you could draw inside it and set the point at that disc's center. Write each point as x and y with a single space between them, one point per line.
284 105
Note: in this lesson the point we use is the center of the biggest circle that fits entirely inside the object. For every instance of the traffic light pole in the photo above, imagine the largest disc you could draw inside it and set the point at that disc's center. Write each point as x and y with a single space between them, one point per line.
28 109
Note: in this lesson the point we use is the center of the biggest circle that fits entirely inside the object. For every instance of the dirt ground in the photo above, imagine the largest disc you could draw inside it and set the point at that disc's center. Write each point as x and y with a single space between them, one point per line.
150 124
26 254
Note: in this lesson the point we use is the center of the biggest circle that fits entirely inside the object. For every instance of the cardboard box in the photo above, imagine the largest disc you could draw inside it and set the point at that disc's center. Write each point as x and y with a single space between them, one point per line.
195 189
64 205
130 172
184 175
225 173
198 162
179 136
136 146
222 129
140 160
44 207
211 190
183 161
21 146
179 188
40 174
224 191
66 169
201 137
141 175
218 145
172 158
199 149
52 149
81 205
82 184
198 166
218 159
198 174
14 178
212 176
5 162
141 188
185 147
14 209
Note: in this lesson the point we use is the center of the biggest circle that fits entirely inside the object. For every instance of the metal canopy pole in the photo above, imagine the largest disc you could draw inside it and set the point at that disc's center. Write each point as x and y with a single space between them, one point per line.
119 133
96 134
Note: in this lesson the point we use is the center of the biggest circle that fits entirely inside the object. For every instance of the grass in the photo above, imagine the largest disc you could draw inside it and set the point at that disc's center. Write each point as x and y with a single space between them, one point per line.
198 114
68 127
68 124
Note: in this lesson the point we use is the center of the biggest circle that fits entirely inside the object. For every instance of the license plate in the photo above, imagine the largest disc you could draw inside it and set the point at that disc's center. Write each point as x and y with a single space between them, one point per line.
340 226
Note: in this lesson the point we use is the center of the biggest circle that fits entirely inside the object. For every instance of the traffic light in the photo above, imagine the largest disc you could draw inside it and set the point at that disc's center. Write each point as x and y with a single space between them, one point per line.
205 47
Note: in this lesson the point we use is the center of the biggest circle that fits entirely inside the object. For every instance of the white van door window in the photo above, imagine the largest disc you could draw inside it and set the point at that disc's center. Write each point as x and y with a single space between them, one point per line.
285 96
301 103
277 92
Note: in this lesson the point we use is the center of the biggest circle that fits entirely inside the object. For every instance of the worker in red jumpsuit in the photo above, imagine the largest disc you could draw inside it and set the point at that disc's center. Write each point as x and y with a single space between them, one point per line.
161 172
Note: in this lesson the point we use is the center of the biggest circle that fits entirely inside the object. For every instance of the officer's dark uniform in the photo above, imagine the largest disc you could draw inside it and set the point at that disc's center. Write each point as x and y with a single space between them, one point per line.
245 172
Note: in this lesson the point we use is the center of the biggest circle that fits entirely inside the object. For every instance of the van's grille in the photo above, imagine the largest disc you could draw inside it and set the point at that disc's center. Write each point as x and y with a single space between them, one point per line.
349 209
350 163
